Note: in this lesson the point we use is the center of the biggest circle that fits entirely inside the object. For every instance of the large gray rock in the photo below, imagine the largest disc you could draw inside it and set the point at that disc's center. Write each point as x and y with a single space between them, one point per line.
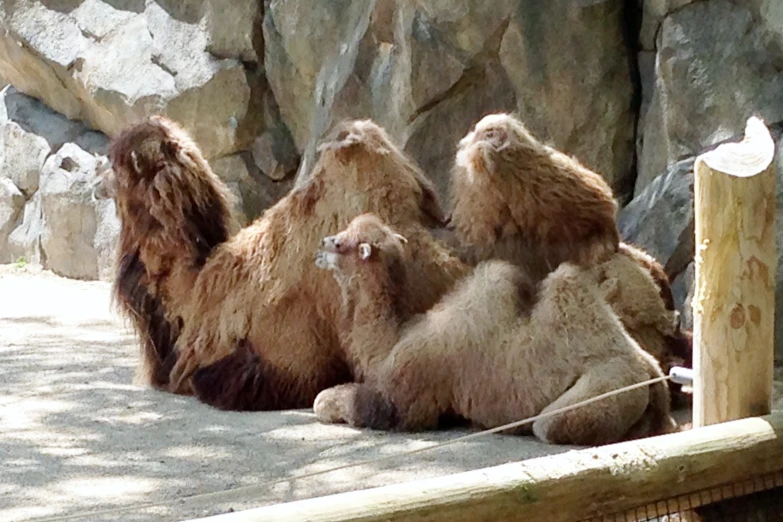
25 241
769 13
110 63
71 218
36 118
11 205
105 241
426 71
569 64
275 153
308 74
233 26
645 63
22 154
660 219
435 133
233 171
253 191
653 13
715 67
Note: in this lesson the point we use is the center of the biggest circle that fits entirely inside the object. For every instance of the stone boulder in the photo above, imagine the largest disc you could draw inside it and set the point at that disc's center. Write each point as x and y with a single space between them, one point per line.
11 205
109 63
233 28
25 240
660 218
22 155
275 154
717 63
252 190
36 118
76 239
653 14
426 71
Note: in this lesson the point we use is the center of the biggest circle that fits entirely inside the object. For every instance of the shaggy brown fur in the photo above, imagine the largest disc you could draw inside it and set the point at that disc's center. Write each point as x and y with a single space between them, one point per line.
650 324
654 268
173 211
480 354
255 326
517 199
629 285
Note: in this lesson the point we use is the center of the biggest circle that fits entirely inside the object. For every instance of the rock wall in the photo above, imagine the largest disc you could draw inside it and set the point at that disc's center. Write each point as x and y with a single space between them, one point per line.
633 88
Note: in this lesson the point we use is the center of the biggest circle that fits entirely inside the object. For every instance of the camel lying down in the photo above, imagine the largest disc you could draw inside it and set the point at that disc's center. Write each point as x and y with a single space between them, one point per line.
495 350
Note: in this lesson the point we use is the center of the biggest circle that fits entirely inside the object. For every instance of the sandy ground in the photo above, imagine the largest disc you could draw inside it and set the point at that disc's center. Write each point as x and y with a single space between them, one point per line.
77 436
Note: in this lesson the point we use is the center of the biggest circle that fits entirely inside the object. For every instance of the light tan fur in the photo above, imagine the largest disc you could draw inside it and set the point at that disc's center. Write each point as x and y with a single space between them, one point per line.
517 199
632 292
485 351
262 285
258 324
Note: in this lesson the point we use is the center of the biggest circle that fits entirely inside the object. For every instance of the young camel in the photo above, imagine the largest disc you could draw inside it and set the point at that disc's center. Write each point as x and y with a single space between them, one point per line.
494 350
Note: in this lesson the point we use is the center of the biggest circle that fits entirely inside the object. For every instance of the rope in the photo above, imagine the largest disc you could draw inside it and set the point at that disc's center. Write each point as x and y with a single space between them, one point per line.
256 488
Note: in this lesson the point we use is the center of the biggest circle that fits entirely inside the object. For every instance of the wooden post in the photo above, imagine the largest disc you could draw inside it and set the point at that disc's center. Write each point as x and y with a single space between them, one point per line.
655 472
734 298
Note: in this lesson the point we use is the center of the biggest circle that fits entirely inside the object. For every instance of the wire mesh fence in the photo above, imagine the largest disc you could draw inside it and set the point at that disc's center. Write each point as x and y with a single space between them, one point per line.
756 500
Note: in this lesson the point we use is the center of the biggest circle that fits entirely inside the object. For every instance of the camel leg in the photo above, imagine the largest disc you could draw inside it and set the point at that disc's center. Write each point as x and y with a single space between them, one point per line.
182 370
413 389
601 422
357 405
403 398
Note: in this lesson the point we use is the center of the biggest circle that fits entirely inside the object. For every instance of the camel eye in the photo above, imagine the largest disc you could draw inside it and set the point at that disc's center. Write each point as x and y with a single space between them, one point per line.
496 137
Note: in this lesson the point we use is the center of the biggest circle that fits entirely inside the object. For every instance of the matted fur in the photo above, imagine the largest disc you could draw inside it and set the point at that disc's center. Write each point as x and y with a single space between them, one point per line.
654 323
632 290
173 212
256 323
484 353
517 199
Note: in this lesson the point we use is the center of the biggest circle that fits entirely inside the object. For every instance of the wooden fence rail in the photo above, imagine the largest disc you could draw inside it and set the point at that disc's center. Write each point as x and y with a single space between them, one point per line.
567 487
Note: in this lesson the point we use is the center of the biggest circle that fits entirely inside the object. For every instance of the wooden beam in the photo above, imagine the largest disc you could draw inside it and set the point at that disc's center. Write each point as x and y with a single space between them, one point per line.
566 487
734 298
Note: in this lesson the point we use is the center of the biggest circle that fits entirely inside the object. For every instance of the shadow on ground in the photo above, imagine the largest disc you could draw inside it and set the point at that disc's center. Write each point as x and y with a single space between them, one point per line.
78 436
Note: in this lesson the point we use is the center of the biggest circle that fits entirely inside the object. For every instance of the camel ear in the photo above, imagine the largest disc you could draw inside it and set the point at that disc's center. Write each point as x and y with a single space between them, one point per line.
365 250
401 238
135 162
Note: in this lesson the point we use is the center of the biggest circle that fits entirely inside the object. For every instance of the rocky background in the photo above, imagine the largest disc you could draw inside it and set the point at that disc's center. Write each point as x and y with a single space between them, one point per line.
634 88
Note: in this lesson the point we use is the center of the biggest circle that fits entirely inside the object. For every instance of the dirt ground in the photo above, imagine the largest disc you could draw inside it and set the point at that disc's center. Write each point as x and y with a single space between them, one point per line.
77 436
